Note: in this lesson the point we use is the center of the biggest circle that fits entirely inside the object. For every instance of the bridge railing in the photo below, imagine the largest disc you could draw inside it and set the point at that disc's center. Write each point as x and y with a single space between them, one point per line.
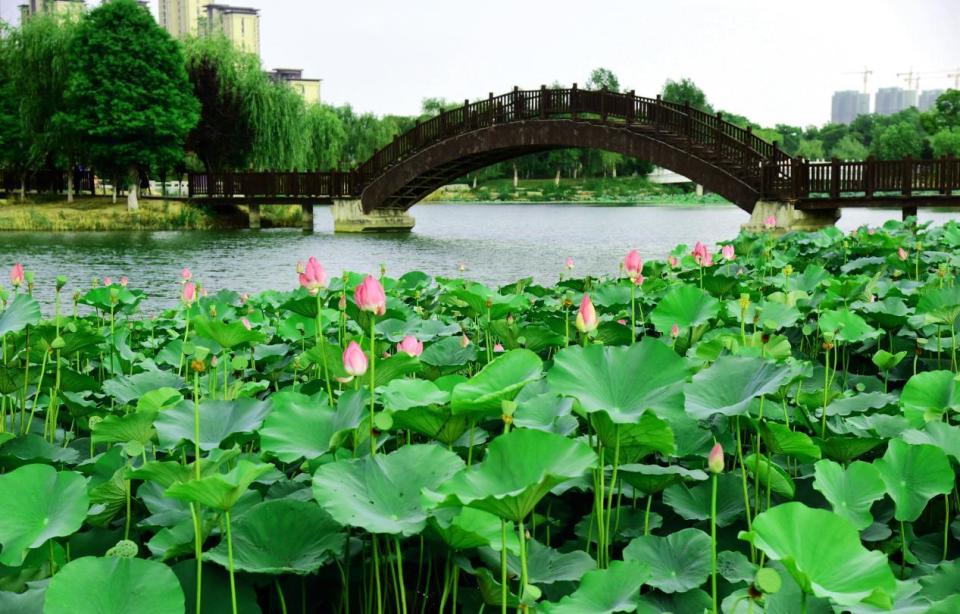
739 147
804 179
268 184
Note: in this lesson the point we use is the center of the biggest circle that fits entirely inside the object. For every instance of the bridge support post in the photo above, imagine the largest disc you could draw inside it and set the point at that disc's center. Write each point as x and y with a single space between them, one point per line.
787 217
253 216
306 217
349 216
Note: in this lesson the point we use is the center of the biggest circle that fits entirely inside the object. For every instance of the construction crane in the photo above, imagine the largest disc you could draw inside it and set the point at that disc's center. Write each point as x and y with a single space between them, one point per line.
866 72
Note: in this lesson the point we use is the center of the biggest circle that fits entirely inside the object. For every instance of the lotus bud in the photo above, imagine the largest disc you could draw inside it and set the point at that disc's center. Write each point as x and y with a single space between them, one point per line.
464 341
16 275
61 282
569 263
674 330
770 222
633 264
370 296
124 280
728 253
901 253
313 277
354 360
246 323
411 346
715 459
343 302
498 348
587 320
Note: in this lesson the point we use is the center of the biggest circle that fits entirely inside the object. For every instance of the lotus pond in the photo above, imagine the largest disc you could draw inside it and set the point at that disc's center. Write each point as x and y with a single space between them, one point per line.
771 428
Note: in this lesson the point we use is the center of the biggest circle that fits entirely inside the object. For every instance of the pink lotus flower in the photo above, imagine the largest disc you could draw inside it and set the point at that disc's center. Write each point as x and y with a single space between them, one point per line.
715 459
16 275
107 281
410 345
189 293
354 360
728 252
672 261
342 304
569 263
313 277
633 264
770 222
638 280
498 348
124 281
246 323
464 341
370 296
901 253
185 274
622 322
701 255
587 320
674 330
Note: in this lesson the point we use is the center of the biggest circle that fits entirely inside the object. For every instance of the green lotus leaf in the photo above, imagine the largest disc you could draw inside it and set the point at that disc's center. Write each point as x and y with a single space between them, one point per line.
226 334
646 435
729 386
282 536
604 378
29 601
518 470
823 554
39 503
478 297
113 585
845 449
676 563
927 396
128 388
448 352
20 313
770 474
465 528
694 503
781 440
498 381
678 603
940 434
422 407
218 421
940 306
136 426
299 426
404 394
775 315
914 474
215 597
603 591
655 478
846 326
34 448
860 403
220 491
381 494
159 399
685 306
168 473
851 490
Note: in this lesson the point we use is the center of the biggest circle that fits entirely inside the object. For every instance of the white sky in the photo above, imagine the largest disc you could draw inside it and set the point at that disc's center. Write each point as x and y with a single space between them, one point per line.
771 60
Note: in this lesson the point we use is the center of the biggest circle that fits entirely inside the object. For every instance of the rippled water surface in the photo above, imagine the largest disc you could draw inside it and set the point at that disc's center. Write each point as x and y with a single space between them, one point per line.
497 243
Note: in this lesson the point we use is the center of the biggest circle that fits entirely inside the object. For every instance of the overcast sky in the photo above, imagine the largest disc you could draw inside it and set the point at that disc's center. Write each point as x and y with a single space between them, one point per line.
771 60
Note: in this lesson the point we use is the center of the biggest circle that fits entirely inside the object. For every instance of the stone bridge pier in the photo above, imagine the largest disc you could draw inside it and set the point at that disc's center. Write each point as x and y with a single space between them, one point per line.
349 216
788 217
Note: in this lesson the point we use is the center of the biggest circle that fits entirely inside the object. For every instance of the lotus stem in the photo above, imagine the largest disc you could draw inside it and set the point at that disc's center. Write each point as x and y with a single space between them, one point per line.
280 598
403 590
233 586
503 566
197 552
376 573
321 342
713 541
373 383
523 562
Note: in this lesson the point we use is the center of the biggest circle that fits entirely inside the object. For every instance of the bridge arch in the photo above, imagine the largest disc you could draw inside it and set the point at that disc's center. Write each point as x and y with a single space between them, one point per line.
410 180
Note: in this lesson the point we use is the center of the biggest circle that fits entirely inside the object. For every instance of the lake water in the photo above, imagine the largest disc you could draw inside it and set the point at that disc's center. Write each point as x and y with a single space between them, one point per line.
498 244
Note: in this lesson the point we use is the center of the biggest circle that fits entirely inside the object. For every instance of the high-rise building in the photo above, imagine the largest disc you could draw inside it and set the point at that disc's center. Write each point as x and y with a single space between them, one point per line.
892 100
61 7
847 105
309 89
928 98
185 18
240 25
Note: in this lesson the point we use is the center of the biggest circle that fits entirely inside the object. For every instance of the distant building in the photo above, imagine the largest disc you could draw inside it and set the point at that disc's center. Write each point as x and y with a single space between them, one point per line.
928 98
46 7
185 18
892 100
309 89
847 105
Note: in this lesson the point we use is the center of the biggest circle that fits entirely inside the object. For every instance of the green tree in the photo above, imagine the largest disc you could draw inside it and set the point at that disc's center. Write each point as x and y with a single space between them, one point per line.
948 108
36 75
603 78
811 149
897 141
327 138
850 147
685 90
946 142
128 96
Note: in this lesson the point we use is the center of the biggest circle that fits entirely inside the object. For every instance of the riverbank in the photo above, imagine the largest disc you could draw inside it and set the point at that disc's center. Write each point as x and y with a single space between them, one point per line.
624 190
100 214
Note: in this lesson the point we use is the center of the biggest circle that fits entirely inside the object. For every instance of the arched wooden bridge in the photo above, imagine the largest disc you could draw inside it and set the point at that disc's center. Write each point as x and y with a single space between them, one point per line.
711 151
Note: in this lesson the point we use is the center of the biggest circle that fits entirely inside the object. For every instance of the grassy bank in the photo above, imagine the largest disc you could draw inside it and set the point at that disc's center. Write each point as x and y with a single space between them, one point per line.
100 214
590 190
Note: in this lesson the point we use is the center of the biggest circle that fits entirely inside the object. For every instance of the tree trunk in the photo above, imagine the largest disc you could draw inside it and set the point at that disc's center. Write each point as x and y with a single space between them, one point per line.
114 190
23 187
474 182
614 170
134 187
70 186
516 177
556 180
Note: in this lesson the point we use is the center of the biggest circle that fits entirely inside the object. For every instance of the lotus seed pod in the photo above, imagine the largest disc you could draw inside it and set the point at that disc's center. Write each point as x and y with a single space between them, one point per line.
125 549
93 421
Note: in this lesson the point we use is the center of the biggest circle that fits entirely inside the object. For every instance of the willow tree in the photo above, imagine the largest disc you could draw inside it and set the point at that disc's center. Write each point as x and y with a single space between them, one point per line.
128 96
35 72
327 137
